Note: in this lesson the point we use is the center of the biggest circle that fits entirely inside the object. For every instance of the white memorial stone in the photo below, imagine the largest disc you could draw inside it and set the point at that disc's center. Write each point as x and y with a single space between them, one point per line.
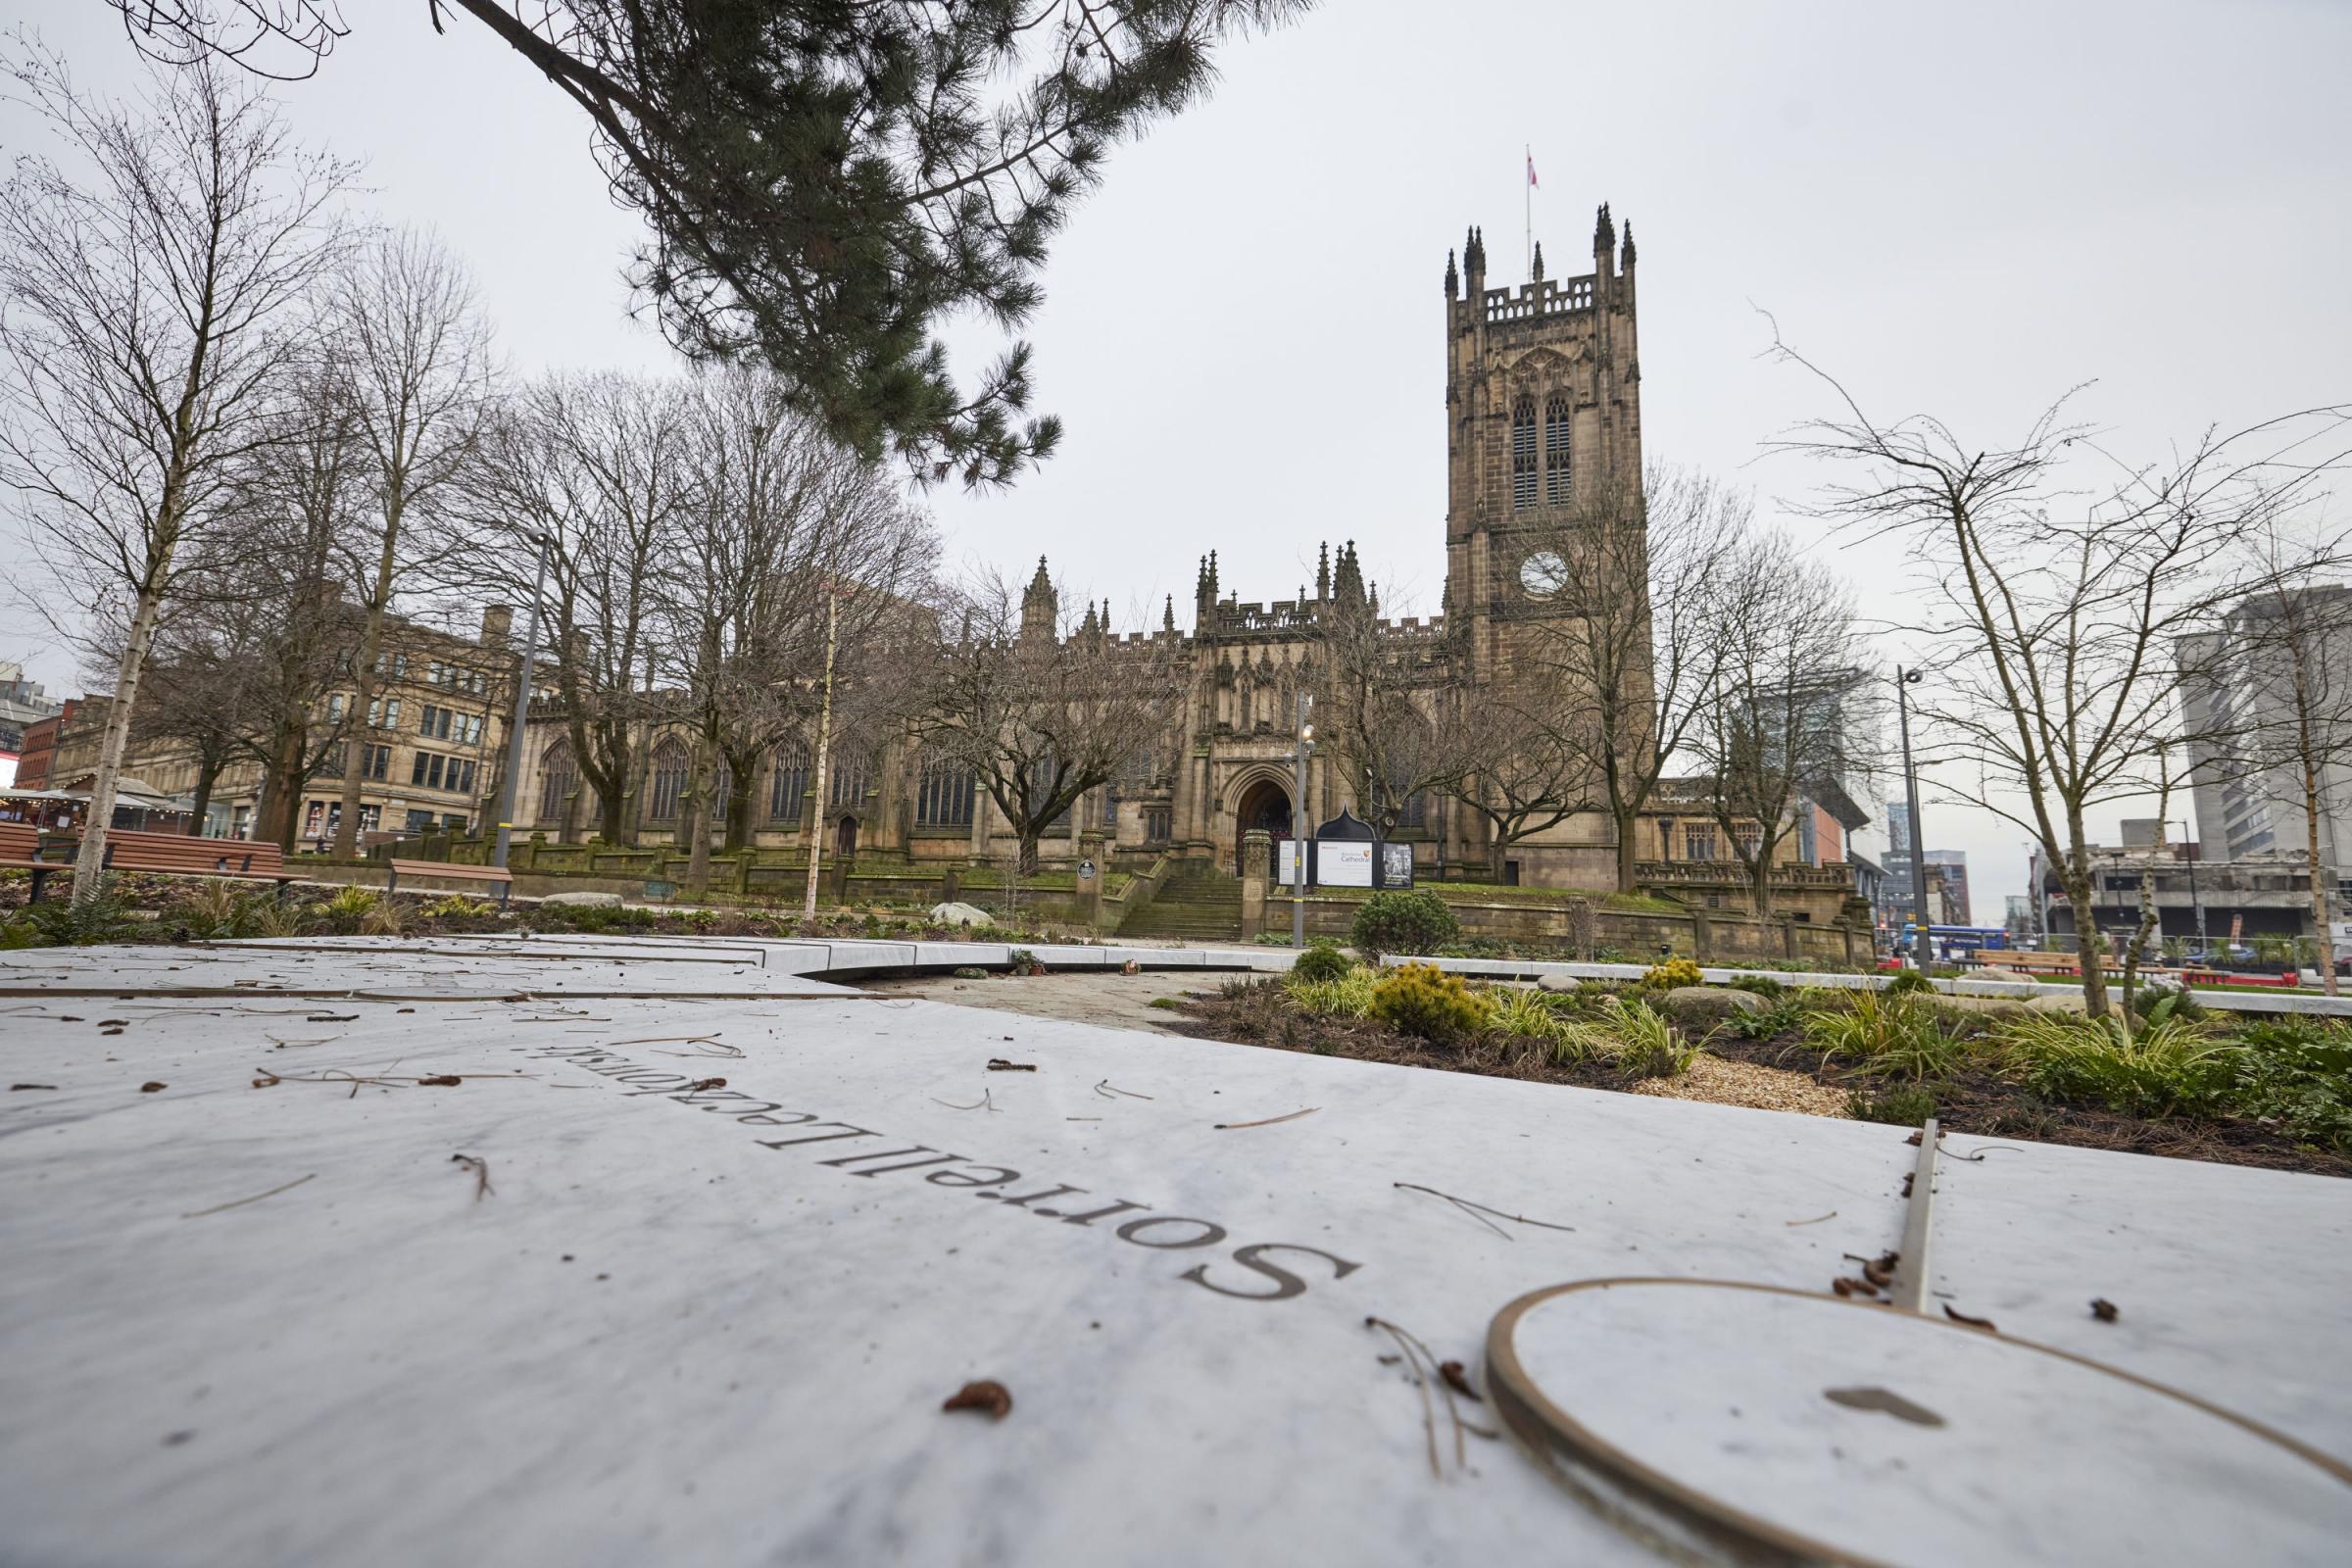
589 1304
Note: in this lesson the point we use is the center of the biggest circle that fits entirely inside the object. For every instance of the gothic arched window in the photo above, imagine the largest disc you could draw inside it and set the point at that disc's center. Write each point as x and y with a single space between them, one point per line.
1523 452
944 797
1555 452
666 778
558 776
722 790
851 780
788 787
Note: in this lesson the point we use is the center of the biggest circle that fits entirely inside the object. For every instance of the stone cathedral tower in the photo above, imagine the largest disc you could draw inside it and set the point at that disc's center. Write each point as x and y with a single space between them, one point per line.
1543 407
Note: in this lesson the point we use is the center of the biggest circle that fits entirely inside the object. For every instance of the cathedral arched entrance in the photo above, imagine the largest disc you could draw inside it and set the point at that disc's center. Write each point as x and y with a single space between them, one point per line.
1263 804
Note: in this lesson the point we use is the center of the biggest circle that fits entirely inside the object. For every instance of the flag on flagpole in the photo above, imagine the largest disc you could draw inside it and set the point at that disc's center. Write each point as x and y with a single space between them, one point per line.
1531 171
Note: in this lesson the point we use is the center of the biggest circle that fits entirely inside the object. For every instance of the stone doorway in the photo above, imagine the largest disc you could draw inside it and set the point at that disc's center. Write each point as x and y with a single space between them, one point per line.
1265 806
844 839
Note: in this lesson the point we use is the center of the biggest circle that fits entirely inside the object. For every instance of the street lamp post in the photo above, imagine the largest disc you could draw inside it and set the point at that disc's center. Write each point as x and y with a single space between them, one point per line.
522 707
1298 836
1903 680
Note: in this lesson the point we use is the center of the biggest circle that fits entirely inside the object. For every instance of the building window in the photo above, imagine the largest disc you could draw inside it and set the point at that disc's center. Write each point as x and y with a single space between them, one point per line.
722 790
1523 452
852 778
383 714
558 777
379 763
945 796
334 709
665 781
788 787
1159 823
1698 841
1555 452
1413 814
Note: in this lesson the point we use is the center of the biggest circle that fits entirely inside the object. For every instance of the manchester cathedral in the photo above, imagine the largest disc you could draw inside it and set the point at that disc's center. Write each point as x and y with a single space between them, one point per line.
1542 397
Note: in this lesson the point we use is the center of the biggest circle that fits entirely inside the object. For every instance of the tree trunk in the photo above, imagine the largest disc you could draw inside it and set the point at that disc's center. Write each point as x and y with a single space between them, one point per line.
207 773
2325 934
89 860
2090 949
1759 882
1027 862
693 814
1629 822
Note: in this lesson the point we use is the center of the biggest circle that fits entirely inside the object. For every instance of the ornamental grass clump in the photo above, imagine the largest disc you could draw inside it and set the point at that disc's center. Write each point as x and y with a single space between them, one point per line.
1424 1001
1890 1035
2172 1068
1641 1041
1350 995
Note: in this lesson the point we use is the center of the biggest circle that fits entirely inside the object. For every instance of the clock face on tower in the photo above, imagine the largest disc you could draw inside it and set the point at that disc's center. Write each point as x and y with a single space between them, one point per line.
1542 574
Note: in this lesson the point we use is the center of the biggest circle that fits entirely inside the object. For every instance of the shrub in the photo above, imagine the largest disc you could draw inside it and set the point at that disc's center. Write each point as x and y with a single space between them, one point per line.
1273 939
2298 1073
1898 1108
1907 982
217 911
1777 1019
102 917
1763 985
1322 961
1405 922
1347 996
1671 972
2159 1000
1423 999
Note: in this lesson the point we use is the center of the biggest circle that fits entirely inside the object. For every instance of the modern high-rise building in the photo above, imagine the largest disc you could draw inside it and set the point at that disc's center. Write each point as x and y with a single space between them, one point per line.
2274 684
1947 877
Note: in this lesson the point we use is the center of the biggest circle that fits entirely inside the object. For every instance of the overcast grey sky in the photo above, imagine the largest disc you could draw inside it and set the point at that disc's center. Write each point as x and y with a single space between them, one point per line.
1966 209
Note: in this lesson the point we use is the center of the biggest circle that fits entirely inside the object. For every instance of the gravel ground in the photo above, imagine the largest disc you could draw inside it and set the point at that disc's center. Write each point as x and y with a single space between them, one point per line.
1746 1083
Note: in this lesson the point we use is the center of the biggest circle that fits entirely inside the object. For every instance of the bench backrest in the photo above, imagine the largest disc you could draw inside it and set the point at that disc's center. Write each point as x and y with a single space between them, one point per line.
451 868
18 841
179 848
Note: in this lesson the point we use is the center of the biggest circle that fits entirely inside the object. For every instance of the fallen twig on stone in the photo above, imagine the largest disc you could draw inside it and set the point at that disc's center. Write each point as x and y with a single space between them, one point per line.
255 1199
1106 1088
1230 1126
1480 1211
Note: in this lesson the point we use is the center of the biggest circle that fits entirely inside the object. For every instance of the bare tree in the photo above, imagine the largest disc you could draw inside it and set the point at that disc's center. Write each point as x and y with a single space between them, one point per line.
149 307
1633 660
1774 721
2054 613
781 520
1530 760
596 464
1041 712
416 353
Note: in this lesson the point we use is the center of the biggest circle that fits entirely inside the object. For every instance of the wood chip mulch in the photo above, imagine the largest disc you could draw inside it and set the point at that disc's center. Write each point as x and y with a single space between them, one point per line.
1719 1082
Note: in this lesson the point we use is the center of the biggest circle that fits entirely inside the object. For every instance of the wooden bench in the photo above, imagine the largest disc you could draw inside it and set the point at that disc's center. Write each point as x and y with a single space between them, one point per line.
178 855
395 869
21 850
